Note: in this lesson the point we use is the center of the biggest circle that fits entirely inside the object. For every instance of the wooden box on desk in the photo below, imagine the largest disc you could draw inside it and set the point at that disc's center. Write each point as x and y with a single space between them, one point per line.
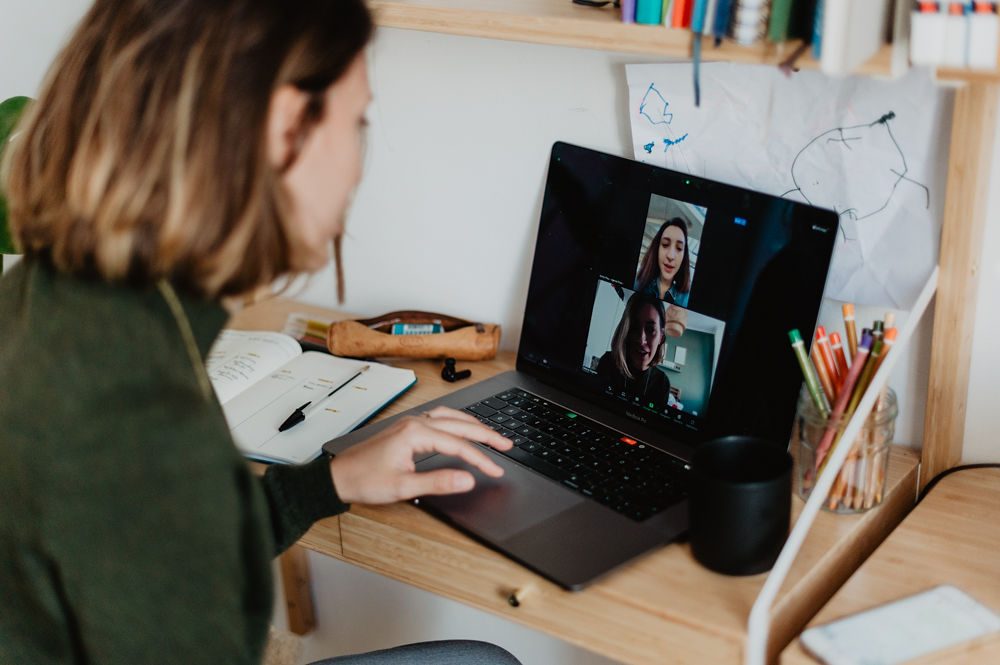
664 607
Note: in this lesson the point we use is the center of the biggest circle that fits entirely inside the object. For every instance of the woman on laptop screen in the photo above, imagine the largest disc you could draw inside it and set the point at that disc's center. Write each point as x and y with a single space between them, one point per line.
638 346
665 270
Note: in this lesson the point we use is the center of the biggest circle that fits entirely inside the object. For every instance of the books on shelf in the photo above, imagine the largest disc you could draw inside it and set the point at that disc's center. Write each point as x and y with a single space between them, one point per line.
261 377
853 31
843 34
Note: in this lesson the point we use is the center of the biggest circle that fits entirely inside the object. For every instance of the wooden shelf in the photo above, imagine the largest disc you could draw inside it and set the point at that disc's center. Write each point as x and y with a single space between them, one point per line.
561 23
954 75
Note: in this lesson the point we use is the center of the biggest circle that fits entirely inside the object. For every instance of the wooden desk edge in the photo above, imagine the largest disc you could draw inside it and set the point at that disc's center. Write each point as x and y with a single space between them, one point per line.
406 551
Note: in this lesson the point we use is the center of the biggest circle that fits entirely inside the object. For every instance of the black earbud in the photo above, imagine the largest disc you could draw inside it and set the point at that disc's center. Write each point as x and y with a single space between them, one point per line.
448 373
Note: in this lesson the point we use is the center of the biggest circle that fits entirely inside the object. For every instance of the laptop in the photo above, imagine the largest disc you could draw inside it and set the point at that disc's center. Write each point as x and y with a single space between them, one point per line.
657 317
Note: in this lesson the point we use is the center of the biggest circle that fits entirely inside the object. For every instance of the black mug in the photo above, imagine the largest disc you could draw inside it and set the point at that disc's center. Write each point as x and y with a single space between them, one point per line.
741 503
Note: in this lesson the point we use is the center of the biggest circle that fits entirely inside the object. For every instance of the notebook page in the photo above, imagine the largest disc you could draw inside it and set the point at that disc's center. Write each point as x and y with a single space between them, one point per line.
240 358
254 415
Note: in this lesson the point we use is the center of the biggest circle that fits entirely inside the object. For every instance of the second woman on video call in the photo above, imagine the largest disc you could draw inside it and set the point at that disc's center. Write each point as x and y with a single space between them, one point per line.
665 269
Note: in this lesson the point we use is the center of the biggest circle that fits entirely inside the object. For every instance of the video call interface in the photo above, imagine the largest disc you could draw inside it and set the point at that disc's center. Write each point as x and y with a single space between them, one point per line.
669 300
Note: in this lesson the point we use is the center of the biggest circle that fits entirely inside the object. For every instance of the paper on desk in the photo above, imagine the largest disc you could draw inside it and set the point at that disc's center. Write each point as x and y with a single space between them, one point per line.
874 151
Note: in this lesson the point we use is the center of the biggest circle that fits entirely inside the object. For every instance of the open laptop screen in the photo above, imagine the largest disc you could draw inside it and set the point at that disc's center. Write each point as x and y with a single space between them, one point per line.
667 298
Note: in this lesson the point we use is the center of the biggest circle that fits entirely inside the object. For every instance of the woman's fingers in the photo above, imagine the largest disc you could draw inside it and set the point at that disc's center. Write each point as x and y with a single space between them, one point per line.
441 481
439 439
474 431
445 412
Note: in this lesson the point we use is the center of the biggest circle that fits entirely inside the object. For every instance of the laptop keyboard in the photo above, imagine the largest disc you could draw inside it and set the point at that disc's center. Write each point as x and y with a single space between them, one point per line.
625 475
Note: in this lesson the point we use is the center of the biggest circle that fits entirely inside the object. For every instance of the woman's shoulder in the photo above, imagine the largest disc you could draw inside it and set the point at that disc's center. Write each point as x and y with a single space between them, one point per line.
606 364
649 287
679 298
89 351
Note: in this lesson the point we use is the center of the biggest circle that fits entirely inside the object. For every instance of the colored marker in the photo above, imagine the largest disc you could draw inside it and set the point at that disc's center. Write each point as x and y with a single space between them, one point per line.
852 331
838 355
812 382
826 353
857 365
890 320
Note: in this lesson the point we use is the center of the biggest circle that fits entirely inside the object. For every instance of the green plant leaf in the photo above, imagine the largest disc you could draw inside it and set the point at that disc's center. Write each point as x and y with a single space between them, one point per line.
10 112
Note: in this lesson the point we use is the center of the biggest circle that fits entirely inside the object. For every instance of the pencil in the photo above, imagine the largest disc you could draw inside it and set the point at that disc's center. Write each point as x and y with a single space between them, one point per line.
841 404
874 358
849 327
808 373
823 373
838 354
888 341
878 330
826 354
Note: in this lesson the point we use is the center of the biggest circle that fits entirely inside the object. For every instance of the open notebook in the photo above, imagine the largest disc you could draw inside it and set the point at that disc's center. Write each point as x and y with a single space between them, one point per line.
261 377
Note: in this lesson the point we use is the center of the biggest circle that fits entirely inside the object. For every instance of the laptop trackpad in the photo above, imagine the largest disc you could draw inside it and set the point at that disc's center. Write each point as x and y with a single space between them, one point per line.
498 508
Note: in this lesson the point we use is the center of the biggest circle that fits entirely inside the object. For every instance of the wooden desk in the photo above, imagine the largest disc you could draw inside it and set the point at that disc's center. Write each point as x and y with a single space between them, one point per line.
662 608
952 537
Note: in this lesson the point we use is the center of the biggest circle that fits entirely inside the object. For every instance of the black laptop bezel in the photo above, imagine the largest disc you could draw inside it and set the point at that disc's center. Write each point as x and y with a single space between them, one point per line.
679 185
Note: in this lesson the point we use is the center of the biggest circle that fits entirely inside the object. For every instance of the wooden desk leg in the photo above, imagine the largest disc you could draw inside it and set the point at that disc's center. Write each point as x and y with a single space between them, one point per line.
298 595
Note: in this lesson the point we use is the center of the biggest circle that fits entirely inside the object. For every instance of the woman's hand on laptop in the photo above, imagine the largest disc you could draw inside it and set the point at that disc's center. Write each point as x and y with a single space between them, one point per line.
381 469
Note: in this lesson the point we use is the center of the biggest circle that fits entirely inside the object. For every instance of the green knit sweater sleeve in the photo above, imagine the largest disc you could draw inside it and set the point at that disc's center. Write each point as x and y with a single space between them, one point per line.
297 496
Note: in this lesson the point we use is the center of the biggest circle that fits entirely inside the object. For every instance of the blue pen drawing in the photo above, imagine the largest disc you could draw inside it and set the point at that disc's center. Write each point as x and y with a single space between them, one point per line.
865 160
653 107
667 143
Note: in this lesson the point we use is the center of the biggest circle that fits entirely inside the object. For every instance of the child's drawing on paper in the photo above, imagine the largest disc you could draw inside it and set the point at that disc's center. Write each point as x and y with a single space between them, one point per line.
855 171
655 109
874 151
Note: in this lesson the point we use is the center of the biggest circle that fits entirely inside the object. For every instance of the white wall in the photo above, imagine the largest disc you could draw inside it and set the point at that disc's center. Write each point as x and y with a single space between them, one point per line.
445 220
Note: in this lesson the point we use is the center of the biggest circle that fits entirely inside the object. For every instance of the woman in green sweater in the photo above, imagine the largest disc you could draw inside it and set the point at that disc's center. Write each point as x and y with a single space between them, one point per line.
180 153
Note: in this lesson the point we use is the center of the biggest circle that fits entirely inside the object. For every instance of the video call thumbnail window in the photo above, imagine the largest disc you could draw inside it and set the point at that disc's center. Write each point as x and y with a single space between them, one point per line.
650 352
669 253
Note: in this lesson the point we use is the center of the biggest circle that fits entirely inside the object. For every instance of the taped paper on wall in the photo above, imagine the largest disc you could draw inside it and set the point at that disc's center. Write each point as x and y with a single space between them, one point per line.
874 151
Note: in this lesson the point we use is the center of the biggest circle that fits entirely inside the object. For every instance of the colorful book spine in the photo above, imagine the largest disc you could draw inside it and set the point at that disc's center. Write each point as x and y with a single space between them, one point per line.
780 22
680 9
648 11
817 35
723 12
628 11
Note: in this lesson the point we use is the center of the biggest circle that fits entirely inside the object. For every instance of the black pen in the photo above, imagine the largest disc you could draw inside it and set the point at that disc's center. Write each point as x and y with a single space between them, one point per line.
299 414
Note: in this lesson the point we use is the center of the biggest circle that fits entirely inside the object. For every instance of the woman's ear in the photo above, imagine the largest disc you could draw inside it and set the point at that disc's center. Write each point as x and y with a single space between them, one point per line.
284 125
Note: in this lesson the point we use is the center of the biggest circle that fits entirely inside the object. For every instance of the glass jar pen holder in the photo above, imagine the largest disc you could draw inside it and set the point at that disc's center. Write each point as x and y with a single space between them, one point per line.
860 485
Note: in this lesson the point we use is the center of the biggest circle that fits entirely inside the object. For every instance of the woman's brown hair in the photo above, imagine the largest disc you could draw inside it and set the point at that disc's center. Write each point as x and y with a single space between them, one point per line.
619 340
649 268
145 155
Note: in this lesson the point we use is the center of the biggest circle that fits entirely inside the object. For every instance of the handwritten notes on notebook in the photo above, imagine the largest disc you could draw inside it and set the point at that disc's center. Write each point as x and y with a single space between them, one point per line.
261 377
